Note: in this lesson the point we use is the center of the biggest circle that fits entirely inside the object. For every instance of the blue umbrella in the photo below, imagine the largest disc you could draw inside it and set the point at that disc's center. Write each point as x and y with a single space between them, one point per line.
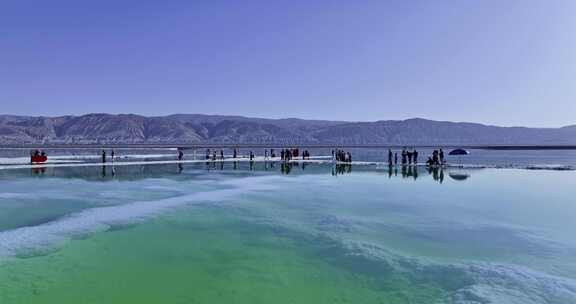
458 152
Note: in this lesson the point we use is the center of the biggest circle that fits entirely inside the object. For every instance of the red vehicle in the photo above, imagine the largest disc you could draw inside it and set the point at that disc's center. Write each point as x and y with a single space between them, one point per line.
38 157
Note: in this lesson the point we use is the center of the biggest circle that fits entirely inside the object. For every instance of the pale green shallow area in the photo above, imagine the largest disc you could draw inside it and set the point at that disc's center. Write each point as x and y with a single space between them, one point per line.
200 235
199 257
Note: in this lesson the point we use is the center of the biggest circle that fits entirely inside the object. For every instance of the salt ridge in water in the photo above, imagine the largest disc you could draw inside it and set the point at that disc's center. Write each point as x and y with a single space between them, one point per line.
26 239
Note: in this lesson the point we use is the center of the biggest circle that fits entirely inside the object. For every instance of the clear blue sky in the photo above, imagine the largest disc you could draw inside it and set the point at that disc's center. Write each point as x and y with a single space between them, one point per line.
504 62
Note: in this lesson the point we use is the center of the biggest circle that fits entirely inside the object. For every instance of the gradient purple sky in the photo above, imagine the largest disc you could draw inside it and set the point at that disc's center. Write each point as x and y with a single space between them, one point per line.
504 62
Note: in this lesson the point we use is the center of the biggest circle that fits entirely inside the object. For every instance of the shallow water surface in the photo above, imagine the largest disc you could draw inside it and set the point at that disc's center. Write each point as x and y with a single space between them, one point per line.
273 233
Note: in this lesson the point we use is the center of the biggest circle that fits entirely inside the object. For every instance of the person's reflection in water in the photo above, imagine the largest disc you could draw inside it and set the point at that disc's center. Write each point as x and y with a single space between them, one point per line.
304 166
180 168
410 173
437 173
441 178
103 171
113 171
404 171
415 173
340 169
251 165
235 165
38 171
285 168
221 165
432 170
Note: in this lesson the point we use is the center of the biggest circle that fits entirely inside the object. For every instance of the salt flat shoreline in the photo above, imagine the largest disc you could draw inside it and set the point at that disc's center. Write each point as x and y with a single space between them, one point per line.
321 159
280 146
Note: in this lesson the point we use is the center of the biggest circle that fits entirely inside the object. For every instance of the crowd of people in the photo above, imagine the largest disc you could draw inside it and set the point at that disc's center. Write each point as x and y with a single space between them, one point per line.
405 157
290 154
341 160
38 156
215 154
285 154
437 158
342 156
408 157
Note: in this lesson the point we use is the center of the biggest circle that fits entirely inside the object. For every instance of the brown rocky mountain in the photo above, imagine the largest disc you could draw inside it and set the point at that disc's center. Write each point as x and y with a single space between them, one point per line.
195 128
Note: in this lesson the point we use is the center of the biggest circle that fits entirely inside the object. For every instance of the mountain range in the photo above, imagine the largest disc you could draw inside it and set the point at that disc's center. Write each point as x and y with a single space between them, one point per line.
216 129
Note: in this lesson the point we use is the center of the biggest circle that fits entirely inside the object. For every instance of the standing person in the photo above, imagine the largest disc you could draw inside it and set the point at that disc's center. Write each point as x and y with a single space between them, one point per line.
409 154
221 154
415 157
234 153
404 156
112 155
389 156
265 154
435 157
180 154
214 155
395 158
272 154
441 156
282 154
349 156
103 156
207 154
251 156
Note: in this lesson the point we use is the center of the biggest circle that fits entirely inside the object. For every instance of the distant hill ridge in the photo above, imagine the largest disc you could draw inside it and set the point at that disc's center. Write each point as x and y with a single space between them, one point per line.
197 128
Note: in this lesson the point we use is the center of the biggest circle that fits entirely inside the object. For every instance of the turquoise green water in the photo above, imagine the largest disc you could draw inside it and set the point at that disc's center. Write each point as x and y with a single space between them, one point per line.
163 235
